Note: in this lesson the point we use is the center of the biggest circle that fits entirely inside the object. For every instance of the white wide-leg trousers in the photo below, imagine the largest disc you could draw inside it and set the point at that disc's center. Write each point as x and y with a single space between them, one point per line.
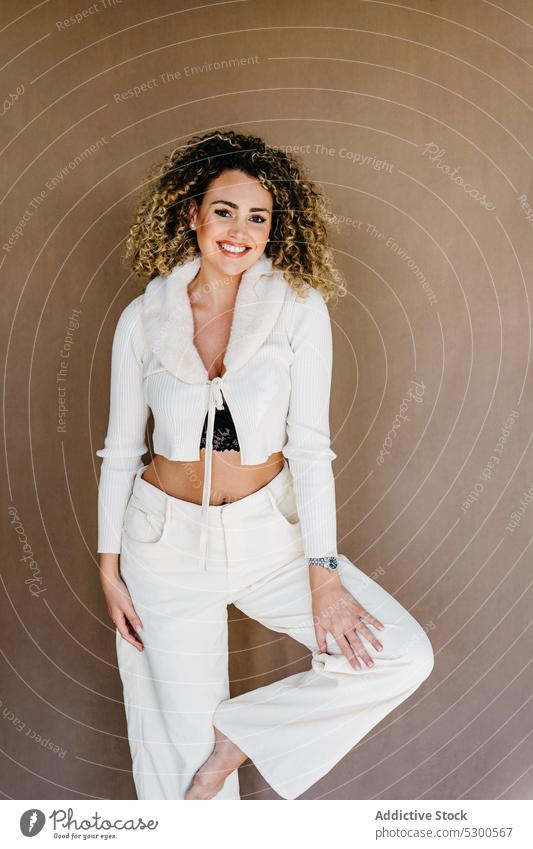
294 730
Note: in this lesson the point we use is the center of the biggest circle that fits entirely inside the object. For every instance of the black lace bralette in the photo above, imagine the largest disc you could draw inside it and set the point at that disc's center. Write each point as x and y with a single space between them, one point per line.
224 434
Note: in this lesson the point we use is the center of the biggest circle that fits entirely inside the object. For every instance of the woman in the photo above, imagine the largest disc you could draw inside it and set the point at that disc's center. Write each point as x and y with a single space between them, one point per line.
230 347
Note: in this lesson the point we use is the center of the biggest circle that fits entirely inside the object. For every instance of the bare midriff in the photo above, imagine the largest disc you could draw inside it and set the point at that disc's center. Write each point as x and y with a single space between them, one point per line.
229 480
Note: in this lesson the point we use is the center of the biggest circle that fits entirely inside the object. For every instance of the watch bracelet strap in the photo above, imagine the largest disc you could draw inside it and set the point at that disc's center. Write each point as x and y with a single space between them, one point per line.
329 561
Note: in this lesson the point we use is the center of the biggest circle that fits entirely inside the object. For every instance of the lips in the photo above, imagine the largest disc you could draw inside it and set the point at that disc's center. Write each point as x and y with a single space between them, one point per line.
234 251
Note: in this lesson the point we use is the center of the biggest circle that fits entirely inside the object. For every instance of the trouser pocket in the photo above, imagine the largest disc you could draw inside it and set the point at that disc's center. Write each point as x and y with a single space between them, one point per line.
146 523
284 505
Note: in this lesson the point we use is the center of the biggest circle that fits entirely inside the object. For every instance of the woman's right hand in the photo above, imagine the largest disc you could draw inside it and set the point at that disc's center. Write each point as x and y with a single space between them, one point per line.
119 604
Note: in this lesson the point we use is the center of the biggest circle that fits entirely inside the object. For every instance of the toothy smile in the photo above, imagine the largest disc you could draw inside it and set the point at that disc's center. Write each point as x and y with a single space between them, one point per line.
233 250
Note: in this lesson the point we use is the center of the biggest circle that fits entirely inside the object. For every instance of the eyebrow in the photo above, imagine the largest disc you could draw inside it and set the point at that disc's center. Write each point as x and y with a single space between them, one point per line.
235 206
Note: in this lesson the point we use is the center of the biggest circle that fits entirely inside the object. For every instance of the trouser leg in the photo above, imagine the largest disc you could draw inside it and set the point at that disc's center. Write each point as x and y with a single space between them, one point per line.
172 688
295 730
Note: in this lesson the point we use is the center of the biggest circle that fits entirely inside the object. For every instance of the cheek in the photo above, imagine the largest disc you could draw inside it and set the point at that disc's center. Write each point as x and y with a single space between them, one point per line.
262 238
214 228
264 234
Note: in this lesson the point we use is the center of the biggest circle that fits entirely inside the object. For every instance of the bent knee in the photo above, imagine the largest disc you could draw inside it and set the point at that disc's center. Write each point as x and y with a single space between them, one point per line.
419 653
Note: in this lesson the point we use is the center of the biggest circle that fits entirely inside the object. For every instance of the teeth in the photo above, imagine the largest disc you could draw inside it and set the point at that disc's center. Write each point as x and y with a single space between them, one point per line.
232 248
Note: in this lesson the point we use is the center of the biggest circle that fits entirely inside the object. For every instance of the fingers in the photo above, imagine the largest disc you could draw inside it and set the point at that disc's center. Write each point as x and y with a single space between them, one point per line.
353 648
127 631
347 650
320 634
366 632
358 647
364 614
136 623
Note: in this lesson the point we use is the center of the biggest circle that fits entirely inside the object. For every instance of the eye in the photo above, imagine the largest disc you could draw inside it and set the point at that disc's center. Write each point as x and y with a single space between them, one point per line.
259 219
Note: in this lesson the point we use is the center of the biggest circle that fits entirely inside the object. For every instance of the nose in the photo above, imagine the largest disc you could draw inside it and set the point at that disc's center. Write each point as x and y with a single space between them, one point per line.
238 230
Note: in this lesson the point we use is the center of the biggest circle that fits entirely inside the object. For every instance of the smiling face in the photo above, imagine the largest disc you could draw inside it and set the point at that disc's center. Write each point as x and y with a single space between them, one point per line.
233 222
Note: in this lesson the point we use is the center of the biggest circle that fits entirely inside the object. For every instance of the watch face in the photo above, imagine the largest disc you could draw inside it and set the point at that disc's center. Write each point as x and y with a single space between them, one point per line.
333 563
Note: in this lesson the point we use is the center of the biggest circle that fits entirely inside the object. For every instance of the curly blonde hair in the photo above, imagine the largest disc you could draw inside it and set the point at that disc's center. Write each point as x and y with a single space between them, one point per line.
298 245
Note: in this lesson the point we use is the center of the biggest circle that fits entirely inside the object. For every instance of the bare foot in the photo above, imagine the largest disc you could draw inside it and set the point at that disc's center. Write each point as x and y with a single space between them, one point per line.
210 778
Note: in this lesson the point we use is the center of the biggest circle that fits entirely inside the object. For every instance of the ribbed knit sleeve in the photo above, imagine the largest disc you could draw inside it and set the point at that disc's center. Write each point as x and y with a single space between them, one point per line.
125 441
308 435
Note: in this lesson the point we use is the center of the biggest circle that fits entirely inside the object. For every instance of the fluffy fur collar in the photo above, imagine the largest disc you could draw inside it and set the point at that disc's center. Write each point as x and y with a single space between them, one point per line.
169 324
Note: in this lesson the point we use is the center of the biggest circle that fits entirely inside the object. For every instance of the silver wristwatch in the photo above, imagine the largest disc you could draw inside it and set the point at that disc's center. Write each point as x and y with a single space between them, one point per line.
329 562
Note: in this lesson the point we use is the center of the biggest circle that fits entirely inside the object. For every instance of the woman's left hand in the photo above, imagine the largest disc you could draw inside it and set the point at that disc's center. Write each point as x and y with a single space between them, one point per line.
336 610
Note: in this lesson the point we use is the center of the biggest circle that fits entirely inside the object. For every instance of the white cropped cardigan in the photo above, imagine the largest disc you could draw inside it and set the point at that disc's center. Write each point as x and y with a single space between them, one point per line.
277 385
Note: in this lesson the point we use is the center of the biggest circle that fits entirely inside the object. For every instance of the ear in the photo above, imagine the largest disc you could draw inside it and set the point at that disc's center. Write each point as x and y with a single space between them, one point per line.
193 214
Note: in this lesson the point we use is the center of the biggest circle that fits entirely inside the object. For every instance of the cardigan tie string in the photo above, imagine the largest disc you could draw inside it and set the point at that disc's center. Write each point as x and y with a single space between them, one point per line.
216 401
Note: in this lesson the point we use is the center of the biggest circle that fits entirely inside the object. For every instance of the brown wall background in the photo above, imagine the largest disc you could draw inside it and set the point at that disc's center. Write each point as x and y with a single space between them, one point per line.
394 105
